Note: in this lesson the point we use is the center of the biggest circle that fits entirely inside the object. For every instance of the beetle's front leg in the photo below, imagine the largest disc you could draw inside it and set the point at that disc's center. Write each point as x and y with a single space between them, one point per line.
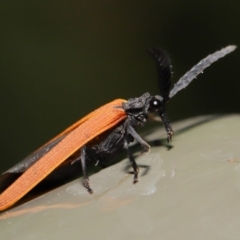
166 123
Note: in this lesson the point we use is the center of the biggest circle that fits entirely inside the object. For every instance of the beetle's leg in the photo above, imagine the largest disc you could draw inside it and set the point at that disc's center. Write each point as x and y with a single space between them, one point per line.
135 135
133 162
166 124
86 183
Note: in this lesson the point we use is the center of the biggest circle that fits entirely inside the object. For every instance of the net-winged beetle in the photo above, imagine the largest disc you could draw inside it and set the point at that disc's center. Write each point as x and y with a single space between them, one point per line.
97 137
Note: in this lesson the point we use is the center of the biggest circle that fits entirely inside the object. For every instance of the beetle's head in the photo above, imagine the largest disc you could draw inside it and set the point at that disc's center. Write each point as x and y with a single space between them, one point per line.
139 108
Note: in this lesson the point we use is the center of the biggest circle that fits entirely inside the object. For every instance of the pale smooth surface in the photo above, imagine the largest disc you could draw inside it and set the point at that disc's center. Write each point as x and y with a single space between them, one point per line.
191 191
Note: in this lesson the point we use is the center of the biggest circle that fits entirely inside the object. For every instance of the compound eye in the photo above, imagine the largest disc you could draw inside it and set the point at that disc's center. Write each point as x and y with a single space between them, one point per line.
155 104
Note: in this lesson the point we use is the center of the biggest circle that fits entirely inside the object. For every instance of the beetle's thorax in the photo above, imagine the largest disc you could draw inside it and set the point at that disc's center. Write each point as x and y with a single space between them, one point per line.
139 108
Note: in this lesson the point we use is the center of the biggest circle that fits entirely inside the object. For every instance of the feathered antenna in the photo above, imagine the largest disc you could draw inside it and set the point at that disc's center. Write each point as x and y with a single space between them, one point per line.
164 67
187 78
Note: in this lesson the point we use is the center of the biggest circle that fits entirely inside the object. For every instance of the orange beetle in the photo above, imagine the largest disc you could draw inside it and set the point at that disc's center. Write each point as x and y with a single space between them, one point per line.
97 137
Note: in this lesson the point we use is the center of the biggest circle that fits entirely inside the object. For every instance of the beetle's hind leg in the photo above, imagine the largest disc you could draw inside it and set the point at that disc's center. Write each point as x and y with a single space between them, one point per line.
133 162
86 182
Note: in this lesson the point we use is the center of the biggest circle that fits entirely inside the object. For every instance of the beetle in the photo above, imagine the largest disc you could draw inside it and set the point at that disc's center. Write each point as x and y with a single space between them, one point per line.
96 138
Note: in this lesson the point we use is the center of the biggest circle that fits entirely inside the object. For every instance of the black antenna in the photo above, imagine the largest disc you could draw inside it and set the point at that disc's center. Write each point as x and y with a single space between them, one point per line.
164 71
186 79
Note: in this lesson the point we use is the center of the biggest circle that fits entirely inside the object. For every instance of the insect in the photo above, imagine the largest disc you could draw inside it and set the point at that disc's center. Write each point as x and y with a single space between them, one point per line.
97 137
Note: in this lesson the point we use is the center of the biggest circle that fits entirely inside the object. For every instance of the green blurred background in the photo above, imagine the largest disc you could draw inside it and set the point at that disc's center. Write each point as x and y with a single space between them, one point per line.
62 59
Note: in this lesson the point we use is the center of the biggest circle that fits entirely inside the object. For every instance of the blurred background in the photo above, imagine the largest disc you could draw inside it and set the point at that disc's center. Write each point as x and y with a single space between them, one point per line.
62 59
